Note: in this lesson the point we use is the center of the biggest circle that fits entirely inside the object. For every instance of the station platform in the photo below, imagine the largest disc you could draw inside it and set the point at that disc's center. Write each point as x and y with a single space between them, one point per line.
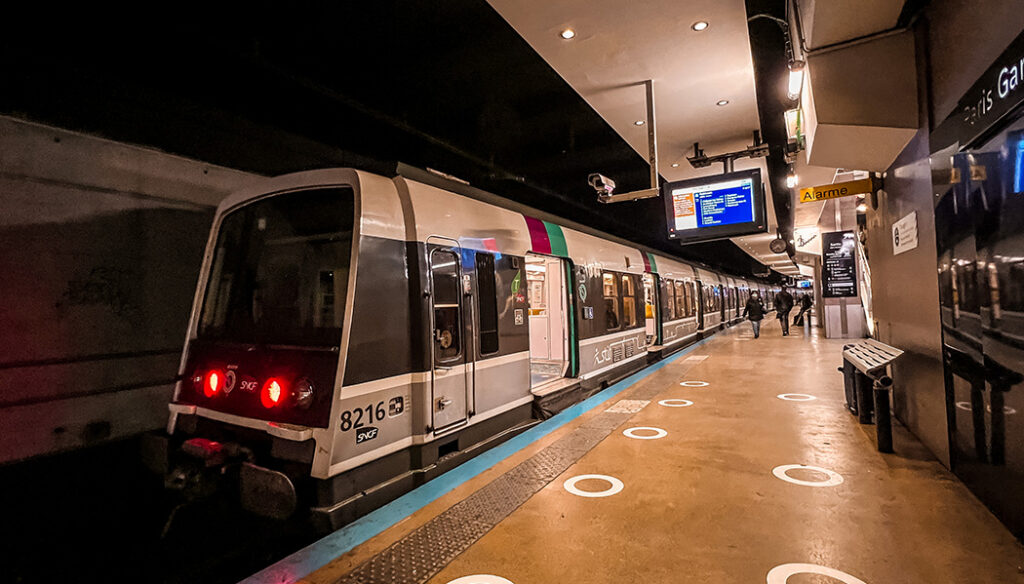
697 494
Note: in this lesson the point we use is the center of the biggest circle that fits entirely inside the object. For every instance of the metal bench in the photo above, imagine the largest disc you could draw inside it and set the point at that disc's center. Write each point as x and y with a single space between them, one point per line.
865 366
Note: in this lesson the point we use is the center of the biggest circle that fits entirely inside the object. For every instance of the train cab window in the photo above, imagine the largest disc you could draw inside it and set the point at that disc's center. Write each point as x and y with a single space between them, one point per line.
279 273
681 300
444 268
629 314
610 286
488 303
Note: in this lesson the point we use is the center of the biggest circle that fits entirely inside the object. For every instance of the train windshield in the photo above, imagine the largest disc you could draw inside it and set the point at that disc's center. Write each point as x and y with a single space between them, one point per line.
280 271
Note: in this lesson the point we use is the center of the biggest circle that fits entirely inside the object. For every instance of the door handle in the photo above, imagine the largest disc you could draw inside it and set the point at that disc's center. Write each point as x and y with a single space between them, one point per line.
443 403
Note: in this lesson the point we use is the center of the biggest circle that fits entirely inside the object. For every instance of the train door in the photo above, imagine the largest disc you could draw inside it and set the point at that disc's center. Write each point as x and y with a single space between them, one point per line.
651 309
450 376
701 306
549 312
723 300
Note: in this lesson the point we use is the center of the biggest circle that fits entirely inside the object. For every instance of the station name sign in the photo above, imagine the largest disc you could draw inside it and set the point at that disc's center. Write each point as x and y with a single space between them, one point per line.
835 190
999 90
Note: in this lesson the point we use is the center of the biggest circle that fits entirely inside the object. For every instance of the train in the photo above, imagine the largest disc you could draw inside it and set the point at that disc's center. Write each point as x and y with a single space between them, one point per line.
354 335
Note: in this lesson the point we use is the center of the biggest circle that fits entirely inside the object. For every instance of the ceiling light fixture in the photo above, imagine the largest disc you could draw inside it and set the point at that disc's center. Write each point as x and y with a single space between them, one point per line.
862 208
699 25
796 79
722 102
675 165
567 34
638 123
791 180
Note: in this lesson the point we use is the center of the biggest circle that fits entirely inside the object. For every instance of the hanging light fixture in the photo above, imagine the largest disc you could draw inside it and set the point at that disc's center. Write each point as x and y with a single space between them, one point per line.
796 78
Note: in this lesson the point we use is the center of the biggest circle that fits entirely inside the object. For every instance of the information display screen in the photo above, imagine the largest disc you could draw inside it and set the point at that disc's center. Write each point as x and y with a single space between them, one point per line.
838 268
716 207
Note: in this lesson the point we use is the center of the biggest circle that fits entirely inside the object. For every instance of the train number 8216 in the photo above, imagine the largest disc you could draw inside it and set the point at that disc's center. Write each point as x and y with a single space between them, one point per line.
372 414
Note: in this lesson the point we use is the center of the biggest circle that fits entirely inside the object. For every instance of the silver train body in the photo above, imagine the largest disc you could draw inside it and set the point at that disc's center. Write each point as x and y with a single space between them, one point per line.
354 335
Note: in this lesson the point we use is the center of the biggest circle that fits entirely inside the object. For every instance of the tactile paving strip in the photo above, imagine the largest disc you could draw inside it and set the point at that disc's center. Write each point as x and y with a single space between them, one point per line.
423 553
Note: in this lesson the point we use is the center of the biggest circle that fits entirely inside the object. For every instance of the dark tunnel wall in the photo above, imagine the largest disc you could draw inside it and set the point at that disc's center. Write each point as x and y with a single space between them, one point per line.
102 245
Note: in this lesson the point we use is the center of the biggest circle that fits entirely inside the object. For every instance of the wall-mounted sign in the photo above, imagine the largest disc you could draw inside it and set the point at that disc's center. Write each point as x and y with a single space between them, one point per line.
904 234
836 190
999 90
808 240
838 264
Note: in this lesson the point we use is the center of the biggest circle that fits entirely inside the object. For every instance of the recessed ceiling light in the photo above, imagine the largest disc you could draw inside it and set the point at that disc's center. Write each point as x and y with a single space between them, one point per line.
699 25
675 165
722 102
638 123
567 33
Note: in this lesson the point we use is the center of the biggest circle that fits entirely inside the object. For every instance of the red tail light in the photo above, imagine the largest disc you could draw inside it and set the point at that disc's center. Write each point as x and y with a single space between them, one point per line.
273 393
213 382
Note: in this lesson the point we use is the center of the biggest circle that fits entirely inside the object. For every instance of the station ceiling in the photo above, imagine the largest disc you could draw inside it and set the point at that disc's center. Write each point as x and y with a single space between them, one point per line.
273 87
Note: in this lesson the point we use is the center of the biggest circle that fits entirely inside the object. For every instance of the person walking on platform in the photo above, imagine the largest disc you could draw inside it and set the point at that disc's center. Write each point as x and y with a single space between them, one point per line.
783 304
806 302
754 310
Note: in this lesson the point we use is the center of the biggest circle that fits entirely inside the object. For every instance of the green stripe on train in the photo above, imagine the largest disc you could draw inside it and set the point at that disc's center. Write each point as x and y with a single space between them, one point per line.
557 239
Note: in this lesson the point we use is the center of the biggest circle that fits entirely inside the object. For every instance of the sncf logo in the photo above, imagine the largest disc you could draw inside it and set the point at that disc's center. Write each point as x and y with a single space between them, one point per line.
366 434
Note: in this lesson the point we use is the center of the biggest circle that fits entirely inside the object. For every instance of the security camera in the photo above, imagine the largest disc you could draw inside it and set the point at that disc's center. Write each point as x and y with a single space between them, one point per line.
602 184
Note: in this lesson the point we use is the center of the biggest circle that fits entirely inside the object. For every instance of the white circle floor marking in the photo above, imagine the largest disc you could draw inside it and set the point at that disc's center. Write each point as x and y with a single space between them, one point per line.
675 403
833 479
796 397
481 579
966 406
780 574
658 433
616 485
694 383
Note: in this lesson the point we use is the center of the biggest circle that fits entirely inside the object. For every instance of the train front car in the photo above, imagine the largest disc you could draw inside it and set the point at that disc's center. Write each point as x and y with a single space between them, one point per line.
255 406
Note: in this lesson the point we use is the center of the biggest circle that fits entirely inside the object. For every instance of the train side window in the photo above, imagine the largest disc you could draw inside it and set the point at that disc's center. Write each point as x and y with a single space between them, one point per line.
668 300
680 299
968 285
629 319
1011 286
693 298
487 299
611 301
444 266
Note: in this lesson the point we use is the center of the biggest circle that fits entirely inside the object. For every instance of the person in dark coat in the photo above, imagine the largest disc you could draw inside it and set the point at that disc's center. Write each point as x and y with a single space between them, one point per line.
783 304
806 302
754 310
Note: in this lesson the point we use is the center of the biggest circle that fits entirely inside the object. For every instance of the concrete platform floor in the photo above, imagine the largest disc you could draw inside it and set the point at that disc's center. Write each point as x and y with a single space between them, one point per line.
701 504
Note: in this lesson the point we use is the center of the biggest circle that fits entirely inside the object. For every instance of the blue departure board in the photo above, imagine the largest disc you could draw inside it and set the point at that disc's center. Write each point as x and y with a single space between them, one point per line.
714 207
725 204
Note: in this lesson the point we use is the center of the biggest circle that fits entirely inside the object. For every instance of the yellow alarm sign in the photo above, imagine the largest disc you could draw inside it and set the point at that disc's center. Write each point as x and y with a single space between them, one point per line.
836 190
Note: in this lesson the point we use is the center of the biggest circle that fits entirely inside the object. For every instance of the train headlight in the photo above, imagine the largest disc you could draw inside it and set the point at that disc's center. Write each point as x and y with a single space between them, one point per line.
273 393
303 393
213 382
